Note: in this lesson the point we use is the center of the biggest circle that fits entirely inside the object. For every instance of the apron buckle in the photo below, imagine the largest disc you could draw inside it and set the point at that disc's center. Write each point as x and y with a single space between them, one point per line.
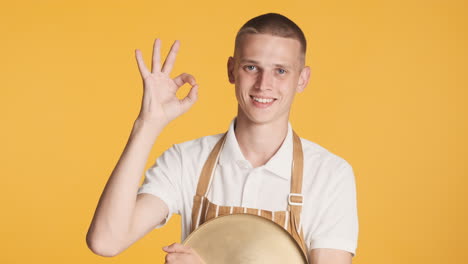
297 195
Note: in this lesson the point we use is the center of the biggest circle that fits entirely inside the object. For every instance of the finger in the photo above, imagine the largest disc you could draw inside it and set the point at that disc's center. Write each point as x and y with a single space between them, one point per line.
170 59
191 98
156 62
177 248
182 258
141 64
170 258
184 78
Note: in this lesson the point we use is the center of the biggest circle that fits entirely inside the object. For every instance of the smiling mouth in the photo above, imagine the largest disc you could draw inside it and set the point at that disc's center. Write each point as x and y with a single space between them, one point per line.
262 100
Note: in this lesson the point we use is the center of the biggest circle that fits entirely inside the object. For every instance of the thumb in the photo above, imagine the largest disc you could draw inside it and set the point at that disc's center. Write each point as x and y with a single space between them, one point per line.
177 248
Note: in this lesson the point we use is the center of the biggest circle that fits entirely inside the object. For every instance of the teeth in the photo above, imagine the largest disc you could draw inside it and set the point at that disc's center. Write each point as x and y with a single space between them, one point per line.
263 100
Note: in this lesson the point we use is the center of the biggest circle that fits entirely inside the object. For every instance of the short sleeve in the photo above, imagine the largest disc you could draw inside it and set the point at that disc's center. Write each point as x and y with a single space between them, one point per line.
338 227
162 179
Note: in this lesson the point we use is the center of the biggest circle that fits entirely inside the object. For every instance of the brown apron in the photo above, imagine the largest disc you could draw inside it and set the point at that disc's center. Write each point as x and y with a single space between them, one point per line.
204 210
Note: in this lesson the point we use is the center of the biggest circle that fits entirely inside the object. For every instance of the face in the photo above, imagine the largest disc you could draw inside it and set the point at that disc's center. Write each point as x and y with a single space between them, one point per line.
267 72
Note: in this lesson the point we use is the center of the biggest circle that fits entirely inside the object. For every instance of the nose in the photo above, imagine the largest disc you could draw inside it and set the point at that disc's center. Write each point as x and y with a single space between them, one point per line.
264 80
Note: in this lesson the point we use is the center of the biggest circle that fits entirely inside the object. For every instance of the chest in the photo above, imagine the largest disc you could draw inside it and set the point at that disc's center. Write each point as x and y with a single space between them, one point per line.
234 185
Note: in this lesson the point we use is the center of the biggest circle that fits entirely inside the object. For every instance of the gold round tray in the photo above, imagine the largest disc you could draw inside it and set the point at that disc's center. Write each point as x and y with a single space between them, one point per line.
244 239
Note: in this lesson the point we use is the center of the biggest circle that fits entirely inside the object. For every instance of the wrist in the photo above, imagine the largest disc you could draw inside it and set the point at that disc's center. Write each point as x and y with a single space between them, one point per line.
148 128
147 124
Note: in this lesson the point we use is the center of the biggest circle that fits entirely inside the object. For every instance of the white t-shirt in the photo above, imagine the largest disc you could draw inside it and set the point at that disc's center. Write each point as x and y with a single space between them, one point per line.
329 213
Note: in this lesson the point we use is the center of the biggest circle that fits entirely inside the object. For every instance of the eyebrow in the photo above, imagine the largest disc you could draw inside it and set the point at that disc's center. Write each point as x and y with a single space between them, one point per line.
256 62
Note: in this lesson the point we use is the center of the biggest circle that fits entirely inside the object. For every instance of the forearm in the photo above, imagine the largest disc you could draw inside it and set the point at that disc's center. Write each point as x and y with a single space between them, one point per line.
114 211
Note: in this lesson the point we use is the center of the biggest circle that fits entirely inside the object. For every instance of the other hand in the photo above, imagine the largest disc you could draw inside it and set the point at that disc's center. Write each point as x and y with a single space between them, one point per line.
178 253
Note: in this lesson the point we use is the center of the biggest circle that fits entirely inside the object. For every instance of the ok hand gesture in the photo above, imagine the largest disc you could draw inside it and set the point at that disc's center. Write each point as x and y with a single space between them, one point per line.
160 104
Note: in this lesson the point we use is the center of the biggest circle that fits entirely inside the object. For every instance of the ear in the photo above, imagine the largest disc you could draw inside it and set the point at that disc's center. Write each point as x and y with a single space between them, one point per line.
230 69
303 79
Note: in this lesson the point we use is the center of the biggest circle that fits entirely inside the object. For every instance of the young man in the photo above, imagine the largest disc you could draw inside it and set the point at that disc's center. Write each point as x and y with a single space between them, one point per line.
253 171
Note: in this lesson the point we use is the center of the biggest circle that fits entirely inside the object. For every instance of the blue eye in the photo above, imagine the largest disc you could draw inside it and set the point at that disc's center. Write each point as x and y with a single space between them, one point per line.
281 71
250 67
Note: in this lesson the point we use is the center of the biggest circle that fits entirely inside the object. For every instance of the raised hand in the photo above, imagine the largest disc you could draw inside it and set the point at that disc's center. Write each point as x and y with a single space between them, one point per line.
160 104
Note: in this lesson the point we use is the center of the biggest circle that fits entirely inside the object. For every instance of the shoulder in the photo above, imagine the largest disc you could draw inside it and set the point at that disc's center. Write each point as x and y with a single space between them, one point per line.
186 159
194 152
199 145
191 151
317 157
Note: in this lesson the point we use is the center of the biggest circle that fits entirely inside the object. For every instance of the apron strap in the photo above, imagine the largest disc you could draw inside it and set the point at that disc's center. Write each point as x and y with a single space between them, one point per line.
207 171
199 201
295 198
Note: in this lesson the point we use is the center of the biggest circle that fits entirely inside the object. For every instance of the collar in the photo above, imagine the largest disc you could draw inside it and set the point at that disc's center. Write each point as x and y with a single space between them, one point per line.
280 164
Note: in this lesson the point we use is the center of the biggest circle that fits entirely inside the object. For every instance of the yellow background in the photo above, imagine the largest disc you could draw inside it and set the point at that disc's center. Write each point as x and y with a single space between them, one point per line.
387 93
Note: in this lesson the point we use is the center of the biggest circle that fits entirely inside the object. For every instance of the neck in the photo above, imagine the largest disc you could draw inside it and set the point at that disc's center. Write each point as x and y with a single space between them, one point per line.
259 142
